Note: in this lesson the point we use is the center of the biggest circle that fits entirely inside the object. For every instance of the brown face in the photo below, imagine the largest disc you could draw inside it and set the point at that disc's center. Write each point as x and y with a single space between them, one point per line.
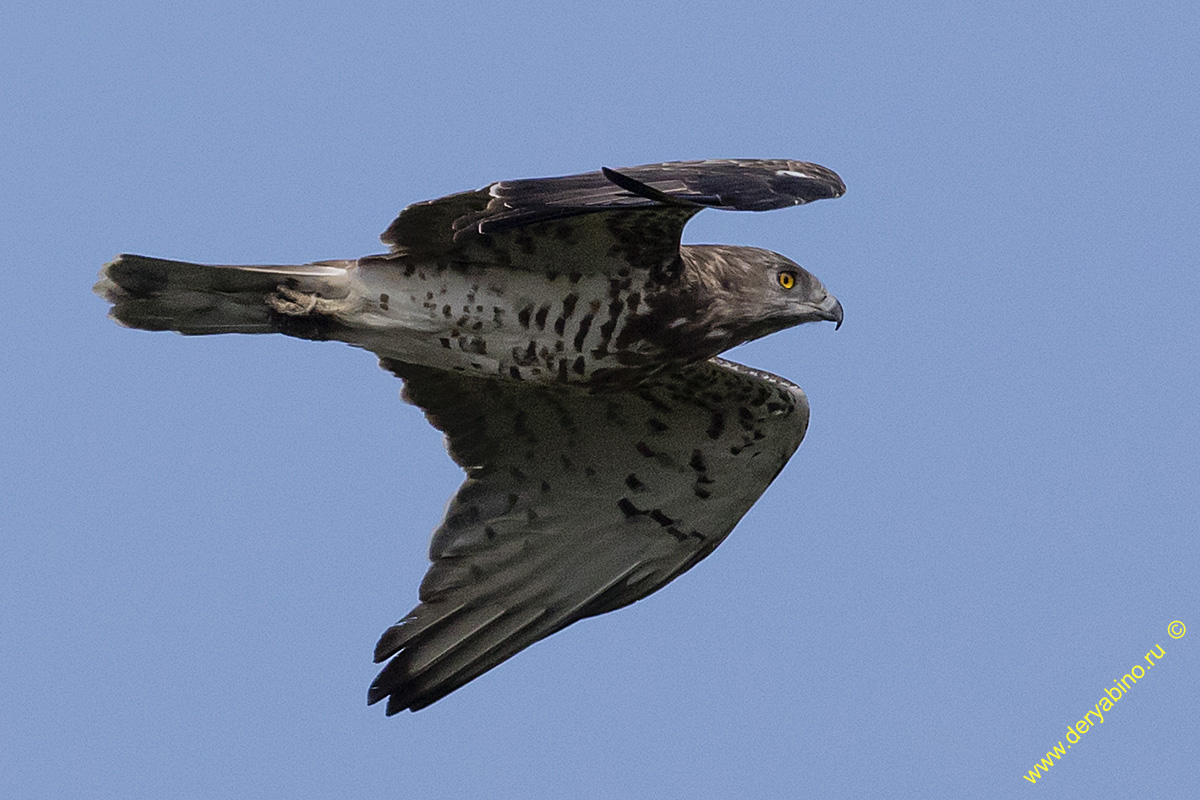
728 295
777 293
803 296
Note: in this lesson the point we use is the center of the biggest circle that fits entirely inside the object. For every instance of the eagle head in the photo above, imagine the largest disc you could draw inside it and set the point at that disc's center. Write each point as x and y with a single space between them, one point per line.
745 293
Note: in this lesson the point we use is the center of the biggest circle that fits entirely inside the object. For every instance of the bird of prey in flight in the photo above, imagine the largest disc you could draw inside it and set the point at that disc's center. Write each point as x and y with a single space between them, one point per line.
566 343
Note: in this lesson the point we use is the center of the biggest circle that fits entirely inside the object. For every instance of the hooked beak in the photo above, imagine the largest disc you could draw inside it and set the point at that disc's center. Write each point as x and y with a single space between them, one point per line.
831 310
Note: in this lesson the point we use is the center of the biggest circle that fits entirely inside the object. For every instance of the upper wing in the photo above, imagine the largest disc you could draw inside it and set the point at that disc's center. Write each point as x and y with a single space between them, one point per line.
576 504
651 203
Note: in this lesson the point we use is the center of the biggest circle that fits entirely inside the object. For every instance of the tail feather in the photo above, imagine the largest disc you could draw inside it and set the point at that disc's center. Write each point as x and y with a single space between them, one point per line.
157 294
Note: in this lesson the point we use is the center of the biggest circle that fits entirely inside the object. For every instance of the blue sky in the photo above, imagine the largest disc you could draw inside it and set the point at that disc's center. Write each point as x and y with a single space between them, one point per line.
994 515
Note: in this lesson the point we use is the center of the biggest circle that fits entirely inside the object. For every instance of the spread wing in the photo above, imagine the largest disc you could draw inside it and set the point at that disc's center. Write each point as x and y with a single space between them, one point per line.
576 504
639 211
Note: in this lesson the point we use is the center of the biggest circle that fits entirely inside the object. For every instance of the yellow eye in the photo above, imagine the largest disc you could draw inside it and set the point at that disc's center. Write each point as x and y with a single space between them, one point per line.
787 279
